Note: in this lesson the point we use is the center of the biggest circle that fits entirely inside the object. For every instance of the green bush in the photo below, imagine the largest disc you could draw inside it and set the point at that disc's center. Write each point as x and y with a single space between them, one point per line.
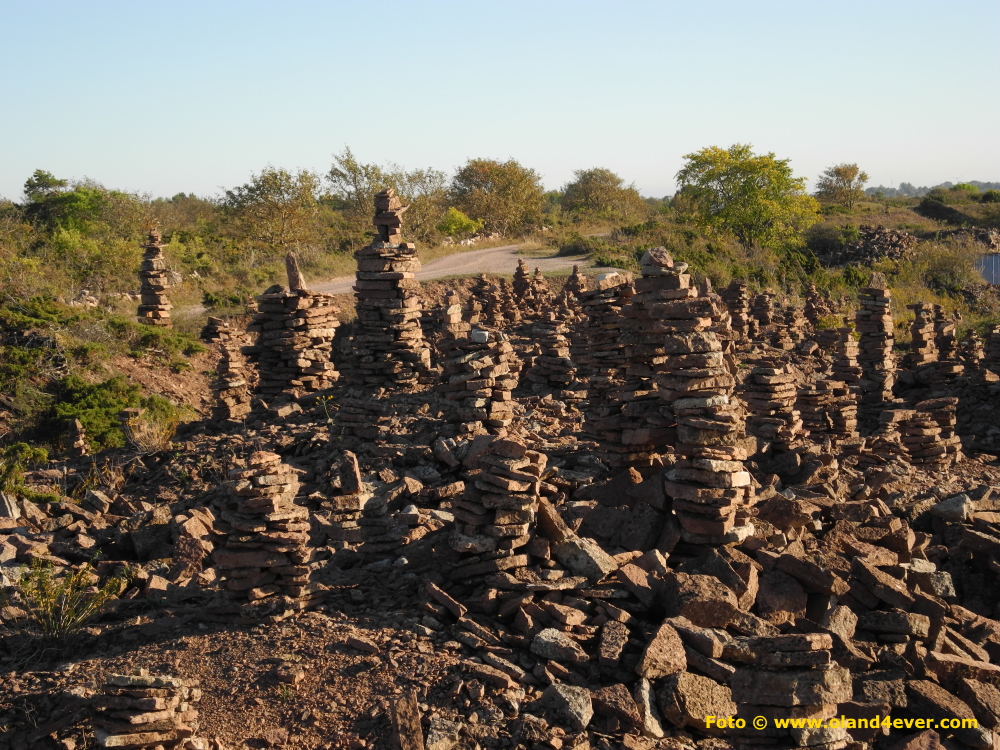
990 196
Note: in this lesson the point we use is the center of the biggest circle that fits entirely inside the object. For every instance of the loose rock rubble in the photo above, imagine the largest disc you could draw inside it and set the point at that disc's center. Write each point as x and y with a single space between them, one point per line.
686 519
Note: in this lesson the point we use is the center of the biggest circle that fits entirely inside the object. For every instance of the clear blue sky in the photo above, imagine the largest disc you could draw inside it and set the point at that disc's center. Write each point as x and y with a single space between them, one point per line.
163 97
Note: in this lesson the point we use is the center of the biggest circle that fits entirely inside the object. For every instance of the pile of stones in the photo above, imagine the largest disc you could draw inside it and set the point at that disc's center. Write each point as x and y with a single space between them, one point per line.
770 394
231 389
266 551
763 312
294 345
991 349
875 243
146 711
479 374
923 350
928 433
603 356
76 439
155 308
817 307
737 297
873 322
452 323
576 282
828 407
553 370
388 341
521 283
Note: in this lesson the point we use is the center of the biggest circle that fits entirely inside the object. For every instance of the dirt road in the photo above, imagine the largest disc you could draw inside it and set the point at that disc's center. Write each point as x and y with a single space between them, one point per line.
495 260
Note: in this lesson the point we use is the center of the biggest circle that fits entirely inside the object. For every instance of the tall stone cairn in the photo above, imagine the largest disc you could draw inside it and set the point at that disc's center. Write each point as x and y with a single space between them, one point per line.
388 340
923 349
762 311
949 365
155 308
553 370
230 389
991 348
495 313
452 324
816 306
874 323
295 330
479 374
521 282
845 363
146 712
576 282
266 552
737 298
604 359
495 514
928 433
709 484
76 440
971 351
511 310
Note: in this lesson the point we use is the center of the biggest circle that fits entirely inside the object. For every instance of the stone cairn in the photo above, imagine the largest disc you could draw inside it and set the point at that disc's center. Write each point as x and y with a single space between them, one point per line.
453 326
521 283
991 349
845 367
76 439
231 389
479 374
388 340
828 408
971 351
708 483
762 311
542 290
266 551
604 355
144 711
874 323
949 365
346 504
511 310
155 308
295 330
928 433
923 350
495 313
576 282
737 298
495 514
770 394
791 676
553 369
816 306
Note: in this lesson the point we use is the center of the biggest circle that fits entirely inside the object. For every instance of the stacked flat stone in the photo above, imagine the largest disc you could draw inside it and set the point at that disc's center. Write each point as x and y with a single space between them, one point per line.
971 352
737 298
949 365
155 308
521 283
388 340
708 483
495 314
511 310
928 435
453 324
874 323
602 306
76 440
146 711
991 349
796 324
230 389
576 282
543 292
770 394
473 314
342 523
923 349
294 345
762 311
381 531
495 514
214 330
481 289
845 363
637 432
828 408
553 370
780 334
816 306
479 374
266 551
790 677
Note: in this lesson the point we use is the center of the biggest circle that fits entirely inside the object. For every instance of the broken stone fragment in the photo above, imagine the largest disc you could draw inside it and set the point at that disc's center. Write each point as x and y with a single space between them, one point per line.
685 700
557 646
569 705
792 687
664 655
703 600
585 558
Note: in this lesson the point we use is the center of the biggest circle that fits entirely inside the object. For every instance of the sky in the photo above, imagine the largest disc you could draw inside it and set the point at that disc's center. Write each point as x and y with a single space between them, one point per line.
168 97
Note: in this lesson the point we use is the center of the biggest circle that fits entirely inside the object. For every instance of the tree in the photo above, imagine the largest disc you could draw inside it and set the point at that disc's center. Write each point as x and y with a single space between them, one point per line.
505 196
843 184
457 224
354 185
276 208
601 193
756 197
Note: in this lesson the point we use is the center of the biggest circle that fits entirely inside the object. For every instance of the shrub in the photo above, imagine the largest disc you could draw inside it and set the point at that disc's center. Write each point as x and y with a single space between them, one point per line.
14 459
990 196
60 606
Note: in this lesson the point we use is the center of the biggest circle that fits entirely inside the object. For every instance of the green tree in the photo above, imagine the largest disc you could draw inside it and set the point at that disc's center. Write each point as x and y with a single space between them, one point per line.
353 185
505 196
843 184
600 193
276 208
457 224
755 197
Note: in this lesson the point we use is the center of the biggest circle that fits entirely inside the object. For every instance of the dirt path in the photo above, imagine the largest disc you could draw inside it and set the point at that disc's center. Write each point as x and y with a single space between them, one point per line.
495 260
